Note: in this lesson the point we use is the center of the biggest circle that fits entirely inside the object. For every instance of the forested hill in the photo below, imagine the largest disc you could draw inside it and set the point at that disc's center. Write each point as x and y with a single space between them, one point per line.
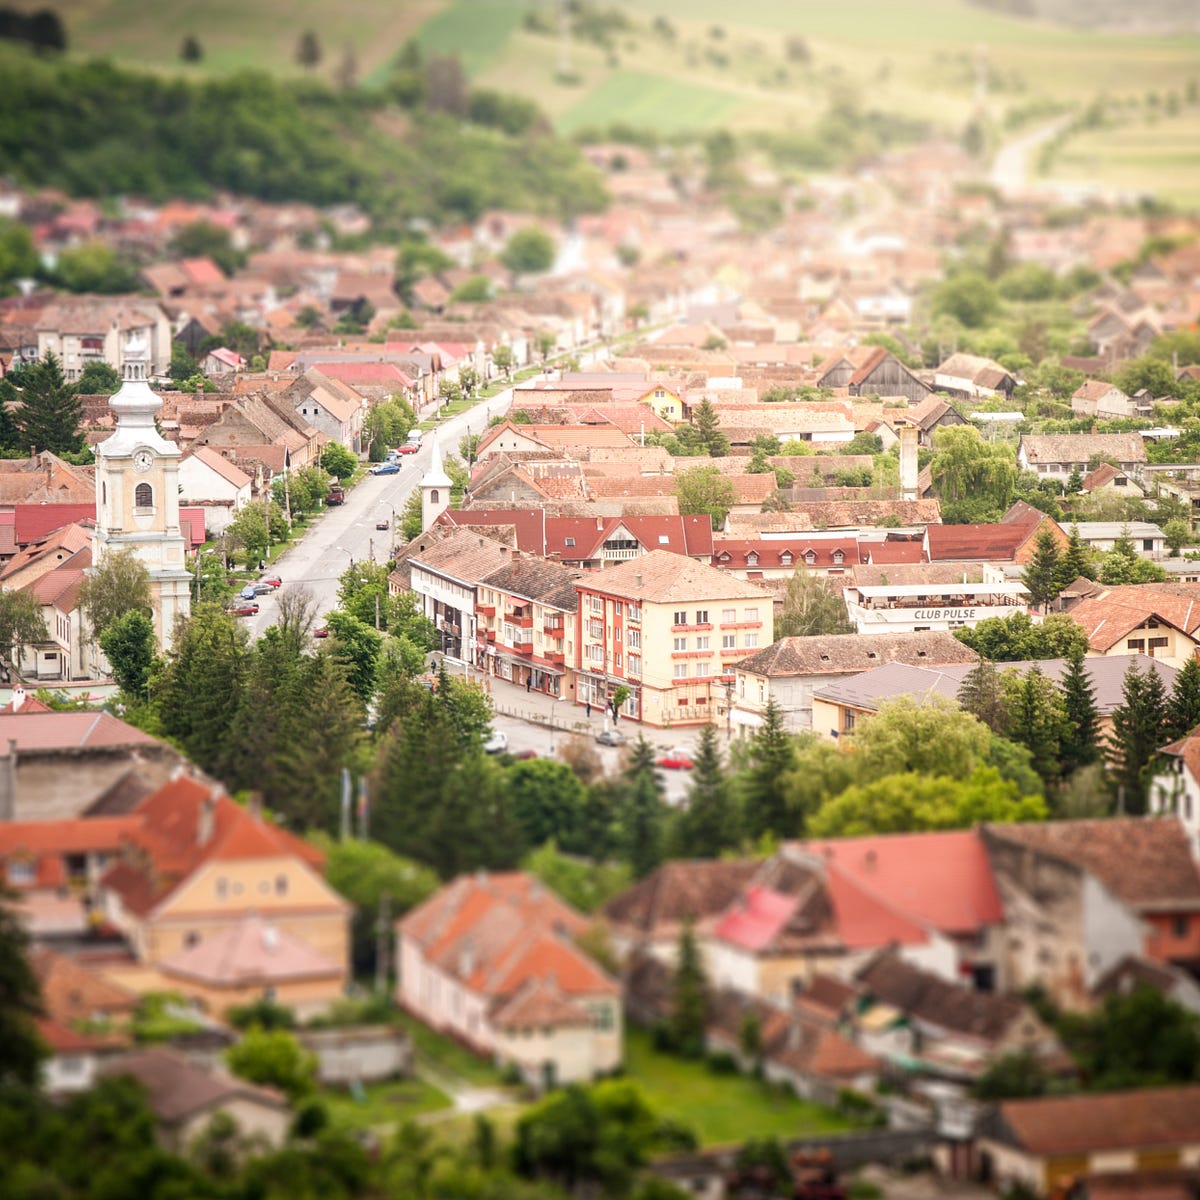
95 129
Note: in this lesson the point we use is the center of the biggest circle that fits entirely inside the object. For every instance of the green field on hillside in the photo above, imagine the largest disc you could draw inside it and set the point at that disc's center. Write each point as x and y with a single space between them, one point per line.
763 64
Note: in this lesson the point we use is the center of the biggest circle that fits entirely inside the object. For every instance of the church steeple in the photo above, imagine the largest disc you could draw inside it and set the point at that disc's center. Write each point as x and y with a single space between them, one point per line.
137 494
435 489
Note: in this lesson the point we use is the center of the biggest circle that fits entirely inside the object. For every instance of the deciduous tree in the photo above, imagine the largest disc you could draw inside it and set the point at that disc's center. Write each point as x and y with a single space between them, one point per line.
21 623
812 606
529 251
129 645
705 490
976 477
119 585
21 1049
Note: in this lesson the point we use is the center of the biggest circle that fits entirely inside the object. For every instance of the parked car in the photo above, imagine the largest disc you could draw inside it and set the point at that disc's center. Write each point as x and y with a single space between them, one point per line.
321 633
386 468
497 743
676 759
272 581
245 609
262 589
525 755
610 737
382 523
408 448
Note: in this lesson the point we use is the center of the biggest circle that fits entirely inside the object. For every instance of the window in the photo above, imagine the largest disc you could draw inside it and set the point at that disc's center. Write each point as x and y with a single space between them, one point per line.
281 885
596 654
664 539
597 604
1147 543
702 643
702 616
143 496
618 608
750 614
222 888
1180 927
1120 481
433 496
752 559
680 618
810 557
729 641
680 643
751 641
635 664
1138 644
728 615
596 628
617 660
617 633
681 670
21 871
635 612
634 639
602 1017
569 541
847 721
838 556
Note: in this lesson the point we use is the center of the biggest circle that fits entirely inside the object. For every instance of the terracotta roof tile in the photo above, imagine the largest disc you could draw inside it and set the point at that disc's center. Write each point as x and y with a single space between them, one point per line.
662 577
250 953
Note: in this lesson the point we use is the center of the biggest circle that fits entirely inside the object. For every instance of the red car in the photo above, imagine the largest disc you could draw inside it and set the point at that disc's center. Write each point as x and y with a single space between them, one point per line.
246 609
408 448
322 632
272 581
676 759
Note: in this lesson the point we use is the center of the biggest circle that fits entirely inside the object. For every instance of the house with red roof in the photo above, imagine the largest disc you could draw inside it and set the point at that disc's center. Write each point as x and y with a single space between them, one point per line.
1083 895
194 866
211 481
491 959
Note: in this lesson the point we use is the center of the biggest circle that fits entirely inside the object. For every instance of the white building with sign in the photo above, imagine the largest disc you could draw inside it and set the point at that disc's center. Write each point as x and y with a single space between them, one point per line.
933 606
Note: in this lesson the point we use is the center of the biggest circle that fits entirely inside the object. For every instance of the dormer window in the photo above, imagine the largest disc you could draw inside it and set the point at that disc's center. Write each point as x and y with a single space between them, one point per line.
838 556
786 558
752 558
143 496
810 557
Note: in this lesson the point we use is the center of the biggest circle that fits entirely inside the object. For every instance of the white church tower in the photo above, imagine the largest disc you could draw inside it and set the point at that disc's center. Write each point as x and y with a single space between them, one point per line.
137 495
435 489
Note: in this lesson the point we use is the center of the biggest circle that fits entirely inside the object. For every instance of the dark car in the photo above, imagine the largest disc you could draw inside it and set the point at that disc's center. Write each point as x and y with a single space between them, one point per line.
383 524
247 608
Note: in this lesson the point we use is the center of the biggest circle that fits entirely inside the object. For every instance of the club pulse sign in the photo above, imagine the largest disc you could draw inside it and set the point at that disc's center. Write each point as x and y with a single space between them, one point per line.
945 614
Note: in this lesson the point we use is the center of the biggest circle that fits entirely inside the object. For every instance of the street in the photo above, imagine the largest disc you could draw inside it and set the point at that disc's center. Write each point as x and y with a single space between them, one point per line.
347 533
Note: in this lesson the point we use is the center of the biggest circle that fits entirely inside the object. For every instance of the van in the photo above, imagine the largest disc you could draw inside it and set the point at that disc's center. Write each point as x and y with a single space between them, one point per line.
414 436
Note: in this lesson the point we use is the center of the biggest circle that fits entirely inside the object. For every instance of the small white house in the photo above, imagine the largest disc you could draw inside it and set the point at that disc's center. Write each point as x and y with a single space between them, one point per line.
210 481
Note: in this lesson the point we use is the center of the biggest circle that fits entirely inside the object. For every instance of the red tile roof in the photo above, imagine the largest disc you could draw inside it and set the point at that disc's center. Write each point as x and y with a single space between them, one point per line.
35 521
756 918
939 880
68 730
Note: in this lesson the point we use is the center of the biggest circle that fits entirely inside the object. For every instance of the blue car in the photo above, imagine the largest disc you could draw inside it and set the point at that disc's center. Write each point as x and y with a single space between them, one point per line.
387 468
248 592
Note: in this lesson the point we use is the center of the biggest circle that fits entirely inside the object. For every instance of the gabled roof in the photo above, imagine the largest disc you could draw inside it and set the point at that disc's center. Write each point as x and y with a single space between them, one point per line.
71 992
177 1090
221 465
33 731
1079 447
678 891
848 652
496 933
662 577
1101 1122
251 953
941 880
1145 863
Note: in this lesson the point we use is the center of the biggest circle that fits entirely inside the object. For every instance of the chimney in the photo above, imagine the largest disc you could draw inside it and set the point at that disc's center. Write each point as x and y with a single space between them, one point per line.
909 469
204 826
254 805
8 783
637 581
18 699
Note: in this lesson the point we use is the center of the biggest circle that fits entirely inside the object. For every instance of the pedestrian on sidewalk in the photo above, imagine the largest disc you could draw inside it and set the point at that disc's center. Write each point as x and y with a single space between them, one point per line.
528 684
588 709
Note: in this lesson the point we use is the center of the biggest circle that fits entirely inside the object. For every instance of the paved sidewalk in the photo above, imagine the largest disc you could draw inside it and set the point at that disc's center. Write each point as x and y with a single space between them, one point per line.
512 700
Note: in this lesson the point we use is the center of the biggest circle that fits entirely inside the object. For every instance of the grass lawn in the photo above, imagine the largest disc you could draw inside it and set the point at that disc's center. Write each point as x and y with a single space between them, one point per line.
720 1109
392 1102
643 100
447 1054
475 30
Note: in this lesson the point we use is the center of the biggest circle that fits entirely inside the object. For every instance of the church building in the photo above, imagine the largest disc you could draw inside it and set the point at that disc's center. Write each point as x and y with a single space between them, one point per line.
137 495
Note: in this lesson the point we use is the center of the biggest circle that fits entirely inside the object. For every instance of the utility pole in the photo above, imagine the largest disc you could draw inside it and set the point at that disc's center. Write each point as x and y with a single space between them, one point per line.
382 943
377 611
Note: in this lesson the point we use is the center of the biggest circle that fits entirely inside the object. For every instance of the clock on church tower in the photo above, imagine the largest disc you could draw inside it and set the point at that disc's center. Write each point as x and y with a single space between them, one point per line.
137 495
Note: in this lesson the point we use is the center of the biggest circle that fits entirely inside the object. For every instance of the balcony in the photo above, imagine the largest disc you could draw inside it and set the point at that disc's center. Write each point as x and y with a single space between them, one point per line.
741 624
521 620
523 645
491 634
486 610
555 658
689 628
552 629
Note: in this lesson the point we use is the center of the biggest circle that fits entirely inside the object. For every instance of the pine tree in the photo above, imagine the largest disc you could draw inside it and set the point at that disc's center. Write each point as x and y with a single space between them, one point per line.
1138 731
1036 722
308 50
981 693
641 813
1080 743
1042 573
1183 708
1074 561
764 783
709 823
705 422
21 1050
50 412
689 997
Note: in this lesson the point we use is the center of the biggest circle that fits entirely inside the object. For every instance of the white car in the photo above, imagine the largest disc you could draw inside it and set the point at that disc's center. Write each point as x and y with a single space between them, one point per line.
497 743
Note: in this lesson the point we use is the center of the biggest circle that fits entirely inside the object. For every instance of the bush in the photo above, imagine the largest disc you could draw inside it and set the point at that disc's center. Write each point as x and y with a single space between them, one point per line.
262 1014
721 1062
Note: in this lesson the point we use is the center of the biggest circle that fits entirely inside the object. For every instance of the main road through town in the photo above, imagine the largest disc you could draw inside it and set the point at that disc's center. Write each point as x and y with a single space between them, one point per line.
347 533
